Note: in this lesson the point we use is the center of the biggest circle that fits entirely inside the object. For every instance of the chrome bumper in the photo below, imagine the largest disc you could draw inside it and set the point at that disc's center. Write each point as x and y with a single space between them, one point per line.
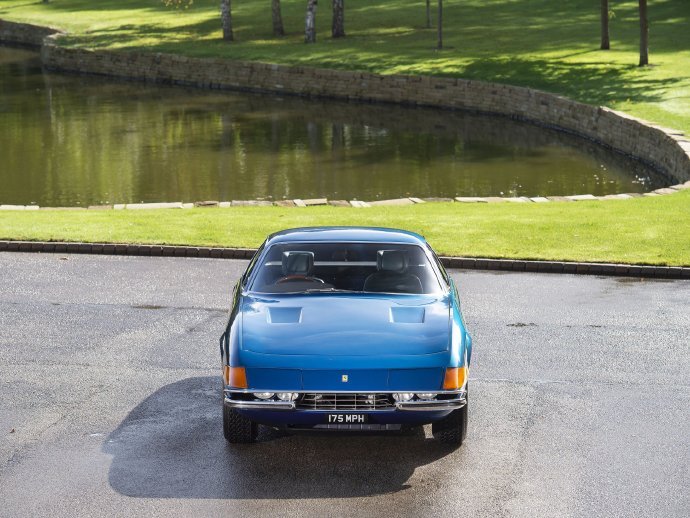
433 404
459 401
260 405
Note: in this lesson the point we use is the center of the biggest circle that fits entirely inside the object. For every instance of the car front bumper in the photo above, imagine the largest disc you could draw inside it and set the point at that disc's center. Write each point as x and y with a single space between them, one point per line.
452 400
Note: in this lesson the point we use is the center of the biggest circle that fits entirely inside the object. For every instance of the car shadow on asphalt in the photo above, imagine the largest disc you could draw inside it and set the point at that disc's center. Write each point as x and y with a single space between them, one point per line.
171 446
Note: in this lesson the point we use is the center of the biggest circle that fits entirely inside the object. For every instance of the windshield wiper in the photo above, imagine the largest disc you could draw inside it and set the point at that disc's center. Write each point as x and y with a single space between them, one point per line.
327 290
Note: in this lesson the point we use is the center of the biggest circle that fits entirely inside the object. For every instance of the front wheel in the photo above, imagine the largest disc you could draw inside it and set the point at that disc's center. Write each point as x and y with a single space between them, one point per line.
237 428
452 429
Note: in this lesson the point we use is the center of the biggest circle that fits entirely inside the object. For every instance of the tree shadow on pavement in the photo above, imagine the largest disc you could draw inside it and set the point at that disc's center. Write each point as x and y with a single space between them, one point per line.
171 446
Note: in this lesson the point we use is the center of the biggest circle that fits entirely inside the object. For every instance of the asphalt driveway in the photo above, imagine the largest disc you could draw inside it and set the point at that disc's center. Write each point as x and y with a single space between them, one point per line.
110 390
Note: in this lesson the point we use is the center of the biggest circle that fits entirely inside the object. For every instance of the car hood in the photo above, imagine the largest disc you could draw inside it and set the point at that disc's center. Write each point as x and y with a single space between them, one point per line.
338 324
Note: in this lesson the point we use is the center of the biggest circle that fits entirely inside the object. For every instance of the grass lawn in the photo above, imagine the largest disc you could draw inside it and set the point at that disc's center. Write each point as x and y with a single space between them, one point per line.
637 231
543 44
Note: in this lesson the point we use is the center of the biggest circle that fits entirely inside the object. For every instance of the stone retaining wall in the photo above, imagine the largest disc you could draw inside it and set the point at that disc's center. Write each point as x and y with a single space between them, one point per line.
665 150
24 33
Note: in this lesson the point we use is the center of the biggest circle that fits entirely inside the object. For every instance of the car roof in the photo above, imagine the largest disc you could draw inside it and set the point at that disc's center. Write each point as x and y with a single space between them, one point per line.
345 234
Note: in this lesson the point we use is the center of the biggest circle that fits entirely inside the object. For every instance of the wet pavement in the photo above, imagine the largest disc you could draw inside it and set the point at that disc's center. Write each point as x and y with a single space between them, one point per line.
110 402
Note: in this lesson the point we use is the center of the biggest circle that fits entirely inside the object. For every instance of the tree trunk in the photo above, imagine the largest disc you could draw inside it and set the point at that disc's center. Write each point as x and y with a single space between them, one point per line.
310 22
226 19
338 27
644 34
278 29
440 25
605 42
428 14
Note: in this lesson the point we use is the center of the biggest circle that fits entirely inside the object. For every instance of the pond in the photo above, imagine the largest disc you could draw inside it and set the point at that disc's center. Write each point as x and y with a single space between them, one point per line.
69 140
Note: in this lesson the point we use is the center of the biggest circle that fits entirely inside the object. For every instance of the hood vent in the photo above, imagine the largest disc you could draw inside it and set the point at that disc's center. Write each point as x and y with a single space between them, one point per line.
284 315
407 315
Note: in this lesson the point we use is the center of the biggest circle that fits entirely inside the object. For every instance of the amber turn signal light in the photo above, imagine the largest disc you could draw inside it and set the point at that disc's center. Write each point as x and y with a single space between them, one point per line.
455 378
235 376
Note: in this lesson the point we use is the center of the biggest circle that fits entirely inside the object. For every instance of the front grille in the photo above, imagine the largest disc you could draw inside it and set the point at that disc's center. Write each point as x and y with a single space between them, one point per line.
345 401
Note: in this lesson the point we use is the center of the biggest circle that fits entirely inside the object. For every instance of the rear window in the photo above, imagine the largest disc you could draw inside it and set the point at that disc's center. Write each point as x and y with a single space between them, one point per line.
353 267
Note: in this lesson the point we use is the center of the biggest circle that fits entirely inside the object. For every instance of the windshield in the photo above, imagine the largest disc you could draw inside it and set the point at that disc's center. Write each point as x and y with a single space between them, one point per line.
350 267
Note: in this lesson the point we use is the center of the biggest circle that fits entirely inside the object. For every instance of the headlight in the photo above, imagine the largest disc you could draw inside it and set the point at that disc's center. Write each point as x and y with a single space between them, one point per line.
263 395
403 397
287 396
426 396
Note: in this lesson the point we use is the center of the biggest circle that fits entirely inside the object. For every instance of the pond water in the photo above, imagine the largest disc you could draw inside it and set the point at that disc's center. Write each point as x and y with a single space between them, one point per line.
68 140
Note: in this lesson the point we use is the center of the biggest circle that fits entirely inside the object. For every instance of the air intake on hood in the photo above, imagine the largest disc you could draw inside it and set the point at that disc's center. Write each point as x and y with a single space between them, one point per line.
407 315
284 315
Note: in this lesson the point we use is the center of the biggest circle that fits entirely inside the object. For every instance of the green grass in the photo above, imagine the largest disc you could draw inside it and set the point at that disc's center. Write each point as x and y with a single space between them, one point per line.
637 231
537 43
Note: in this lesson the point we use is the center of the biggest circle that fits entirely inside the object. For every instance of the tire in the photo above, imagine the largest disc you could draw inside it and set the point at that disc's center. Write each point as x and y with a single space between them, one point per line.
237 428
452 429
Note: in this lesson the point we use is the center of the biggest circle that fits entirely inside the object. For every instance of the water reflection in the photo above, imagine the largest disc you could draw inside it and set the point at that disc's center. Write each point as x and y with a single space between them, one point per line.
77 140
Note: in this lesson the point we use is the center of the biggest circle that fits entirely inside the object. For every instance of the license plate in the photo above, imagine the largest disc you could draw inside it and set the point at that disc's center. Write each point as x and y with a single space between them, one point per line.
346 418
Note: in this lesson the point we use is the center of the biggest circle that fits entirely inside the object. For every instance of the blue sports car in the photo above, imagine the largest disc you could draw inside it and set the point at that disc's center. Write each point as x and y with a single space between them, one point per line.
345 328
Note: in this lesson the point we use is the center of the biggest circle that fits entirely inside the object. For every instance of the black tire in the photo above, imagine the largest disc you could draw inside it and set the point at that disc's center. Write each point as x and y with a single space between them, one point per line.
452 429
237 428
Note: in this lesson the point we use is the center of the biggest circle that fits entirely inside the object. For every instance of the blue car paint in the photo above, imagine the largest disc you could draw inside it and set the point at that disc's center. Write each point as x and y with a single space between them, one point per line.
297 342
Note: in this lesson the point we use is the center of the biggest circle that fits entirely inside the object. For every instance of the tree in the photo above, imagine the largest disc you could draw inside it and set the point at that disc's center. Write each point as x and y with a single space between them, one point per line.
428 14
310 22
277 18
226 19
644 34
440 25
338 25
605 42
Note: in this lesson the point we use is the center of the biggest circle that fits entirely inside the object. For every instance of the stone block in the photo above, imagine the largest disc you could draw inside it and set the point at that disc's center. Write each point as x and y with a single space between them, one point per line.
359 204
397 201
224 204
540 199
470 199
582 197
148 206
438 200
251 203
206 204
417 200
665 190
299 203
617 197
315 201
339 203
284 203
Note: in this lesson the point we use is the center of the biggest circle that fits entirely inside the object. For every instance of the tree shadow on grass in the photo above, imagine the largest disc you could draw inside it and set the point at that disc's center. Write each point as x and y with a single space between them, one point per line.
171 446
597 82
